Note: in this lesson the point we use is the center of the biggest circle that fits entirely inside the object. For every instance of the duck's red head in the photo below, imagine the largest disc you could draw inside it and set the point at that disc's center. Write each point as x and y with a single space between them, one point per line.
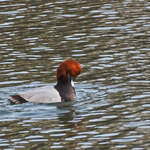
67 70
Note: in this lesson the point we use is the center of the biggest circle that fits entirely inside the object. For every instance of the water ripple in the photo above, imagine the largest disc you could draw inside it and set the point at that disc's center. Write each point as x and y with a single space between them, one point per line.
110 40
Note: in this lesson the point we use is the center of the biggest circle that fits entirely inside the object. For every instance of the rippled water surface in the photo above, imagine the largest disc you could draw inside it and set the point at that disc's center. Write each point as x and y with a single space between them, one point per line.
111 40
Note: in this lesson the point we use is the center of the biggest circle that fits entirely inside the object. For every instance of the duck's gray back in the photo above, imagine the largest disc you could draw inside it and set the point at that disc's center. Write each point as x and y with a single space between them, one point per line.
46 94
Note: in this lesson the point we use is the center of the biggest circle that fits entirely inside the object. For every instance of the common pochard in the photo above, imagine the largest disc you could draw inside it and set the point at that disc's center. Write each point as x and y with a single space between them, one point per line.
62 91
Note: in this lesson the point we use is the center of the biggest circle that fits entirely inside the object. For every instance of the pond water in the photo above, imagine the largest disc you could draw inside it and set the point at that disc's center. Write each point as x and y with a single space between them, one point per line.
111 40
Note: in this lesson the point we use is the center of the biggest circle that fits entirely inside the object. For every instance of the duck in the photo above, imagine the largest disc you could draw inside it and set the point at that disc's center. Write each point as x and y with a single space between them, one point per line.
63 91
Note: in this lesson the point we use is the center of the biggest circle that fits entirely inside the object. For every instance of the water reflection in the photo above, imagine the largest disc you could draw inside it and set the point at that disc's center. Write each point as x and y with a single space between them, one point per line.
110 40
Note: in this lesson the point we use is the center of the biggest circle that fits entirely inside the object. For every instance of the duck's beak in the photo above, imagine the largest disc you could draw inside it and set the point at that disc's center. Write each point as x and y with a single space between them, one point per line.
72 80
72 83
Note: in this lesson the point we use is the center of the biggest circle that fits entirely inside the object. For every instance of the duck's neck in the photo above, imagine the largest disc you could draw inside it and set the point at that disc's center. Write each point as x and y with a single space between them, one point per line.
66 91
